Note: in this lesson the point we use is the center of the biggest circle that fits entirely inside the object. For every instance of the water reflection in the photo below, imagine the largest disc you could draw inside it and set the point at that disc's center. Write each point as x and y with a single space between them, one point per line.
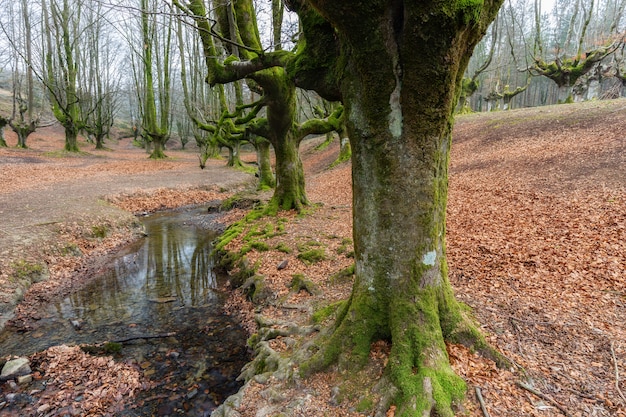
170 269
157 285
162 285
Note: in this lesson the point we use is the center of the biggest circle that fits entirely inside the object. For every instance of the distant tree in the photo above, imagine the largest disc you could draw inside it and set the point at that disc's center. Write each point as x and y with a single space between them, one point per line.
505 94
18 31
99 81
469 85
151 57
3 122
620 69
234 24
62 27
568 64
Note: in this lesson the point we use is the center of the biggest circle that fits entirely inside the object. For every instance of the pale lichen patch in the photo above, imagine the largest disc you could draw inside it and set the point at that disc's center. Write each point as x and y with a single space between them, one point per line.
429 258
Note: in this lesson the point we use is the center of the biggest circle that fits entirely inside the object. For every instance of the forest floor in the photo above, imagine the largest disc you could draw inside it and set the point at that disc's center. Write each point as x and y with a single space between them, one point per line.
536 231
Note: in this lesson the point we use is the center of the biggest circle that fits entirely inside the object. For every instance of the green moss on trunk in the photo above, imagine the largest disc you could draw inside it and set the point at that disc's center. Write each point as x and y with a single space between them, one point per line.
266 175
400 85
158 150
71 139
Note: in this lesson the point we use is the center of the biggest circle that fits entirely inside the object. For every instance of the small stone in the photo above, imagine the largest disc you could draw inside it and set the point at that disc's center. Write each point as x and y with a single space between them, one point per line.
283 264
76 324
192 394
19 366
261 379
10 397
334 396
43 408
25 379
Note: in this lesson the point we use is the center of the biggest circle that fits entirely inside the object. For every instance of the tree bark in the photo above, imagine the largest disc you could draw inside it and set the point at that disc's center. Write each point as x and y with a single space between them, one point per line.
71 139
400 86
3 142
266 175
158 152
23 131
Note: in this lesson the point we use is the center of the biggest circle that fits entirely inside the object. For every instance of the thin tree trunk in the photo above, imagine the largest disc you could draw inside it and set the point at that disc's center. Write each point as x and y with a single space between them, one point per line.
266 176
3 143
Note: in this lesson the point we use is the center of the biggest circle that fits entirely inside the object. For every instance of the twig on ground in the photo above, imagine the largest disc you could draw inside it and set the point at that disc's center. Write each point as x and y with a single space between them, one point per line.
619 391
156 336
543 397
539 323
483 407
583 395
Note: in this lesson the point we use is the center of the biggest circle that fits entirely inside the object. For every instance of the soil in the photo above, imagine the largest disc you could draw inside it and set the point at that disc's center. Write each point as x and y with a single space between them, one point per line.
536 231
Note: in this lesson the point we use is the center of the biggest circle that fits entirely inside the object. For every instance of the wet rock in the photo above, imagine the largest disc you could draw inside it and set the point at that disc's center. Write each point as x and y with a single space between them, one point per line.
19 400
16 367
43 408
76 324
214 206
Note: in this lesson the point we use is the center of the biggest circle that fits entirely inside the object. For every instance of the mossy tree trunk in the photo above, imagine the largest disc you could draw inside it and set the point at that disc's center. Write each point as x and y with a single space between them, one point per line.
280 92
100 141
23 131
234 154
290 192
156 108
71 138
61 68
266 175
158 149
267 72
404 64
3 123
345 150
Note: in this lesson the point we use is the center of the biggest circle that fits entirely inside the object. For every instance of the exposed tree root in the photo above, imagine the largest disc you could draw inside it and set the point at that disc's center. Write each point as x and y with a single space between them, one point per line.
418 380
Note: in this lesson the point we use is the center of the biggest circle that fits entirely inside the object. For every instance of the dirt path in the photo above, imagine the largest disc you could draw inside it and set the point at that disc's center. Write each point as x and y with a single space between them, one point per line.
53 205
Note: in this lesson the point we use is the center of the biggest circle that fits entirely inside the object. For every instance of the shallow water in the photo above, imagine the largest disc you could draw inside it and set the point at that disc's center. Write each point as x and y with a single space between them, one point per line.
162 294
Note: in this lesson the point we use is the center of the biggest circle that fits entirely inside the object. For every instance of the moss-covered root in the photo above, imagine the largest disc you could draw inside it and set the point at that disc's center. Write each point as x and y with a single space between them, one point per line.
418 372
286 201
459 327
419 365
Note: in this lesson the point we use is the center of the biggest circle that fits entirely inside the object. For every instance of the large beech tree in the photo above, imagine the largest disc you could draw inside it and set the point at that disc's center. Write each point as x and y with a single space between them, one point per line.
397 65
267 74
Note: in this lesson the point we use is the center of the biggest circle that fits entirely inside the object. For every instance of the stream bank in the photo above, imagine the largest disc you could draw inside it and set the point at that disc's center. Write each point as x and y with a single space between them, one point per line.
161 303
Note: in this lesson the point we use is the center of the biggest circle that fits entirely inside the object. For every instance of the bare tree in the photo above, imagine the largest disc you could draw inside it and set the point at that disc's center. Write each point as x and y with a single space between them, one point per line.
18 31
99 69
570 62
62 27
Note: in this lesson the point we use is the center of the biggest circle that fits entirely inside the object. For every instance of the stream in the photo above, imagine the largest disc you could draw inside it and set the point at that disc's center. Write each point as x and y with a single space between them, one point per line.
162 294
